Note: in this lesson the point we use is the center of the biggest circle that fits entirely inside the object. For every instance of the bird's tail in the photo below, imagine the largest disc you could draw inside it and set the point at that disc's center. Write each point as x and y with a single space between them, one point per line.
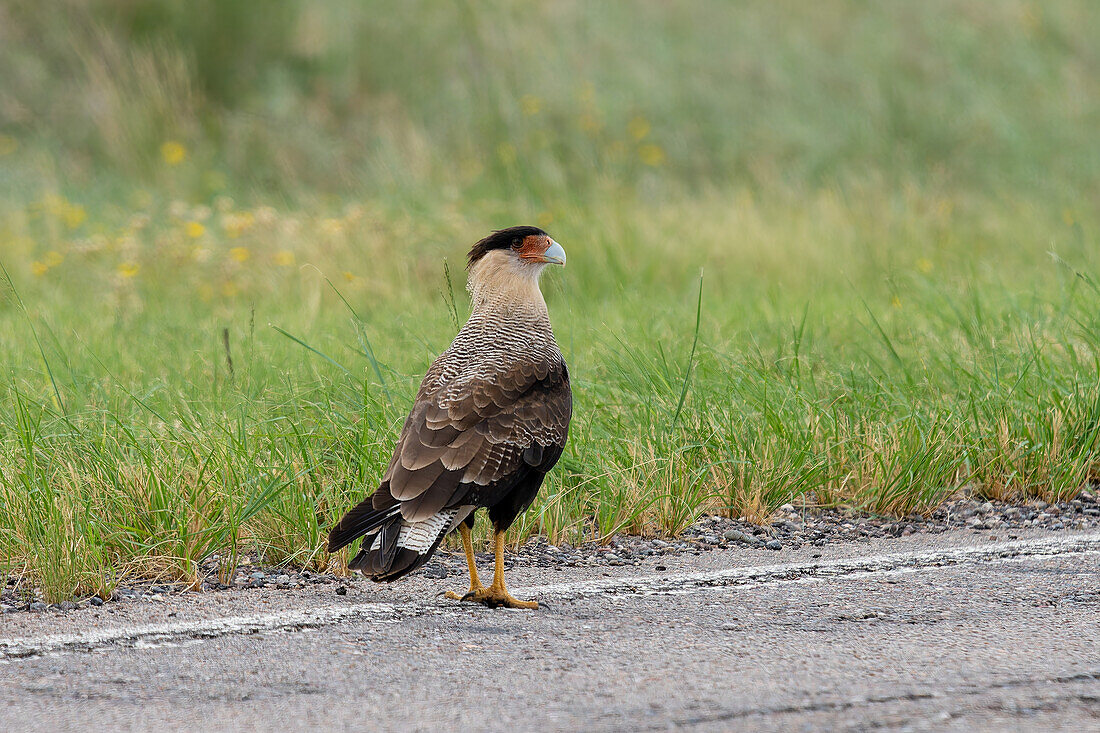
363 518
392 547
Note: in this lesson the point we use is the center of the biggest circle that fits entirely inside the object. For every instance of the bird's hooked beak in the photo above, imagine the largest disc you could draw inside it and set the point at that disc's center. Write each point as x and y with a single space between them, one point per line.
554 254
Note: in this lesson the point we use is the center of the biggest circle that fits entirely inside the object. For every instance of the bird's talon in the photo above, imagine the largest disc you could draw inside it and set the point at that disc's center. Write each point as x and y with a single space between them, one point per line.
470 595
493 599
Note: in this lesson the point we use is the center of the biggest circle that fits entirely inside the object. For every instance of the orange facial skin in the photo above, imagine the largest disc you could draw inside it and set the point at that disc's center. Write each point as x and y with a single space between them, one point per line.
534 248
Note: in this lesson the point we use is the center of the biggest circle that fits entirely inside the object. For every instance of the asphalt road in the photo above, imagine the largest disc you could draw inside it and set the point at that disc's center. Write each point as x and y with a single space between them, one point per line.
960 631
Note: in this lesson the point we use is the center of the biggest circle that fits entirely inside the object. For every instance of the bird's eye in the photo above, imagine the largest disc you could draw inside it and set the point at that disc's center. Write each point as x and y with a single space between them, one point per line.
517 243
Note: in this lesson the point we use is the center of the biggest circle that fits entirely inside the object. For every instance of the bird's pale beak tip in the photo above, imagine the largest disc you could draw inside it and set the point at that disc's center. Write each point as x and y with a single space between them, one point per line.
555 254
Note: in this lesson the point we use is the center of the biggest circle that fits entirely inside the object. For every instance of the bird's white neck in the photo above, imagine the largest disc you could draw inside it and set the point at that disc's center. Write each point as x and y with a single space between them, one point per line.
500 283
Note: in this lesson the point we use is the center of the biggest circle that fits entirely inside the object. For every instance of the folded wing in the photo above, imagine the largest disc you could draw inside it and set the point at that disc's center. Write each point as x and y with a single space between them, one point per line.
467 442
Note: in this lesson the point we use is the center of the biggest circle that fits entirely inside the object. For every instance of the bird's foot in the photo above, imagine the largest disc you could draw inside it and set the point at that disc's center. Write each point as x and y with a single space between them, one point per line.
474 589
493 598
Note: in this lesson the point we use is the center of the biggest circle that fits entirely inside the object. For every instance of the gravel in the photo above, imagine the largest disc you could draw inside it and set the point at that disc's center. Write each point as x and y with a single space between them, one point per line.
798 526
791 526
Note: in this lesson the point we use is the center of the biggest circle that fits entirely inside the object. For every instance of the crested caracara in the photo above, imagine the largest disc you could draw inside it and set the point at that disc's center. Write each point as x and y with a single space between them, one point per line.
490 420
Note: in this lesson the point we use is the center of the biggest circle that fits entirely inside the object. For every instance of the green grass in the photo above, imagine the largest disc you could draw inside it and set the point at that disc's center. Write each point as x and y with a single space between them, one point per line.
837 256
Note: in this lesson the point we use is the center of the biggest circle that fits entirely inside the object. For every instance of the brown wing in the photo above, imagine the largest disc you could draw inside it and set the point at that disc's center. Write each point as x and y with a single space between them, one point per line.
472 434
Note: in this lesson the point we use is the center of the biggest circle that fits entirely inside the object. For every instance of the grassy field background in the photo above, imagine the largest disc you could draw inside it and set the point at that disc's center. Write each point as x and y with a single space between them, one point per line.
840 254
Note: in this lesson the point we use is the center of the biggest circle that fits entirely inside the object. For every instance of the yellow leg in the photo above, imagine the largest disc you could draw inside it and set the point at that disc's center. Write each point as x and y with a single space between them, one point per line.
468 546
496 595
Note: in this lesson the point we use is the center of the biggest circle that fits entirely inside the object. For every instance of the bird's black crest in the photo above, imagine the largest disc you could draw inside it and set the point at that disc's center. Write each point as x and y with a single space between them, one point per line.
501 239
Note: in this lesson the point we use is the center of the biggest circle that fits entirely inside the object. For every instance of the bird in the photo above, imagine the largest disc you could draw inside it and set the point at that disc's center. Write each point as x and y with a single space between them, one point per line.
489 421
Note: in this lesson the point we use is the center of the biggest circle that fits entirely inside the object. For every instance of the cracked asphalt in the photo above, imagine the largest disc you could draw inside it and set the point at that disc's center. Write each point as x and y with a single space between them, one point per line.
1000 642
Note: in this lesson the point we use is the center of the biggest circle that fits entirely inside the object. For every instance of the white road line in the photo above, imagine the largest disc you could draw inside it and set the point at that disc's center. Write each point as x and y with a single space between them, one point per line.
158 634
764 574
154 634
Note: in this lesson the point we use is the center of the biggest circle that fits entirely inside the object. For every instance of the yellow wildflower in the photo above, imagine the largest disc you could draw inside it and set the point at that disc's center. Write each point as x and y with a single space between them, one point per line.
332 227
284 258
348 276
895 302
39 268
651 154
530 104
924 265
638 128
54 258
240 254
236 224
195 229
127 269
173 152
74 215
